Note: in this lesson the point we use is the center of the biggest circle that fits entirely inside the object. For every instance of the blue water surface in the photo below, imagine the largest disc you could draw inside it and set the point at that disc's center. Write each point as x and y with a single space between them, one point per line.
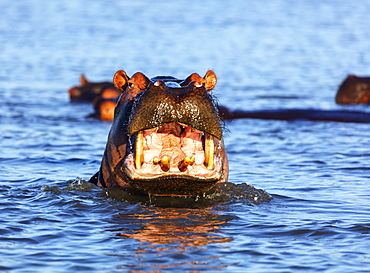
279 54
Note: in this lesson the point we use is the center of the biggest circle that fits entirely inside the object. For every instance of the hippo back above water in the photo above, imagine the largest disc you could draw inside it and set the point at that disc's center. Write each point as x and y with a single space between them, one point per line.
166 137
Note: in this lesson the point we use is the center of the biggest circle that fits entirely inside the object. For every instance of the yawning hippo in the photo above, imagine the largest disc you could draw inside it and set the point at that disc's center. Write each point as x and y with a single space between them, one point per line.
166 137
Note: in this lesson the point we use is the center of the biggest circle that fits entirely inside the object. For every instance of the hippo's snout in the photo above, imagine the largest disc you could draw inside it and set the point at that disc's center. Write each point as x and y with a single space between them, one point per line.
161 104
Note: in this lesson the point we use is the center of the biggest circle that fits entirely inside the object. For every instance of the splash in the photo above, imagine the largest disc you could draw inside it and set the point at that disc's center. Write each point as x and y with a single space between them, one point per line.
230 192
222 193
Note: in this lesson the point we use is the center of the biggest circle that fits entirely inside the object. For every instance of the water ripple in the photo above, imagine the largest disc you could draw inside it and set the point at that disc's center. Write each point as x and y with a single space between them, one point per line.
298 196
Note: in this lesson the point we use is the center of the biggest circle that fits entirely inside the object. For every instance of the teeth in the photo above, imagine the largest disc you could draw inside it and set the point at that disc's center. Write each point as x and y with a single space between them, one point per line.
192 161
166 160
189 161
209 152
185 163
156 161
165 163
139 150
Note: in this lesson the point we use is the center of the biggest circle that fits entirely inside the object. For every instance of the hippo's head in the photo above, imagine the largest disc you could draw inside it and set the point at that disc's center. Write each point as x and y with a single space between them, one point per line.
88 91
354 90
166 137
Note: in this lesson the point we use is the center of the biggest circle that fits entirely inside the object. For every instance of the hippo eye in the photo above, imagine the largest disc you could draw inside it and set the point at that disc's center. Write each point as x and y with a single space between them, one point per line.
130 84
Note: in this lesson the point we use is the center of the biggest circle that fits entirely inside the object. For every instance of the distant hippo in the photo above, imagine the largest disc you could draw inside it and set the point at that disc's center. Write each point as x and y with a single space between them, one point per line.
88 91
354 90
104 108
166 138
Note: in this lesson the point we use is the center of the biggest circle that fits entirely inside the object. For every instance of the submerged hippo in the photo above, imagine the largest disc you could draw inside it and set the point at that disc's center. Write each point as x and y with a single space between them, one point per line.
88 91
104 108
166 137
354 90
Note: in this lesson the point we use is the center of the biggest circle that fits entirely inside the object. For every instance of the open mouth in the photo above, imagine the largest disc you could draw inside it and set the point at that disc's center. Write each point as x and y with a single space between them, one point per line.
174 157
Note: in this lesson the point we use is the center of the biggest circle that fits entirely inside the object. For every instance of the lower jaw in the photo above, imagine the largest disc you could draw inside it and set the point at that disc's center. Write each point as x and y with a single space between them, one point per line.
182 186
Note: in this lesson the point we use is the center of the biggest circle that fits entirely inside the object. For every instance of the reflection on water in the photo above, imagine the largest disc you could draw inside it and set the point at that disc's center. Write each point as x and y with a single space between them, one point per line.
175 228
162 232
167 235
168 229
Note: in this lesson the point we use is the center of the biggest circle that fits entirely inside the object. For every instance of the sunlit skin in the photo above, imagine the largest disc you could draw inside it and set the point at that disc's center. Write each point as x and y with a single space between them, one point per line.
354 90
366 98
106 110
110 93
74 93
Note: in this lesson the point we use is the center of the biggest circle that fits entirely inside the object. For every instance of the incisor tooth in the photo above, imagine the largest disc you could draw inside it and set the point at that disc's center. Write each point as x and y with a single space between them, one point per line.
192 160
184 164
139 150
189 161
165 160
209 152
165 163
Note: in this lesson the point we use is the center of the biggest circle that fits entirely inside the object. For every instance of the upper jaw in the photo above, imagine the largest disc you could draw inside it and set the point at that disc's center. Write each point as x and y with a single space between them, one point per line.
160 104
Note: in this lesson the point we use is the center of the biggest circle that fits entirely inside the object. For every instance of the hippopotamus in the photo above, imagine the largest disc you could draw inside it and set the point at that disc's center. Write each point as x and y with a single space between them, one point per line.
354 90
88 91
166 138
104 108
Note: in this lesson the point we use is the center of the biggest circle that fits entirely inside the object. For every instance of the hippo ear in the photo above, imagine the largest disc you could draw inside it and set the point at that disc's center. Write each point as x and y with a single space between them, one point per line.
135 85
120 80
83 80
210 79
192 78
138 81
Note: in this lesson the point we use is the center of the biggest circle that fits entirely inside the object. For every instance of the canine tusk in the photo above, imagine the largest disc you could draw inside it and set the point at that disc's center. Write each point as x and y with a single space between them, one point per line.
189 161
139 150
209 152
